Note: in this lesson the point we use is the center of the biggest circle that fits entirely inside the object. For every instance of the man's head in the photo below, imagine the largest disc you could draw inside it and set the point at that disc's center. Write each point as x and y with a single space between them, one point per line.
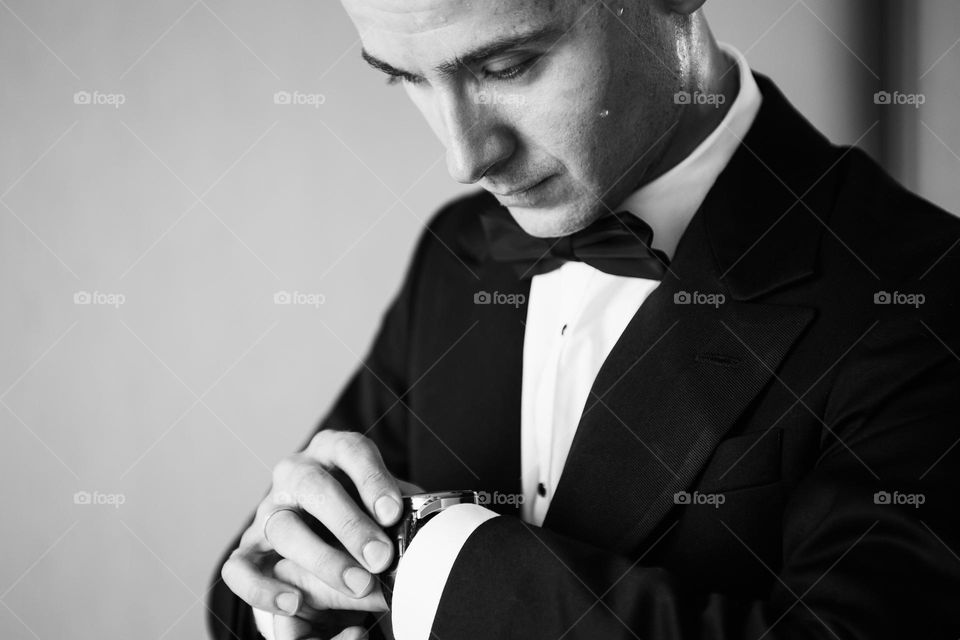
561 108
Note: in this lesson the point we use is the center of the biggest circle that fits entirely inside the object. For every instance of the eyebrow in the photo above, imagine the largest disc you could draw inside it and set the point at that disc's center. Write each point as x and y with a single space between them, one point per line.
471 58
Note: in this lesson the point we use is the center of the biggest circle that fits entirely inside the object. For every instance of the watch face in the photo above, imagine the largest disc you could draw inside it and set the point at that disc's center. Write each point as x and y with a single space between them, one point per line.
418 509
423 504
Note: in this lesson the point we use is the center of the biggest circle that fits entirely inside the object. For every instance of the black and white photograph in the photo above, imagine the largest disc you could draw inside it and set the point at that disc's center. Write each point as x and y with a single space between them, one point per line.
480 319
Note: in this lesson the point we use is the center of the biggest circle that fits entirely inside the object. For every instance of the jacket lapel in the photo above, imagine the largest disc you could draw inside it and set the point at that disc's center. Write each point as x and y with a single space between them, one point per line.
683 371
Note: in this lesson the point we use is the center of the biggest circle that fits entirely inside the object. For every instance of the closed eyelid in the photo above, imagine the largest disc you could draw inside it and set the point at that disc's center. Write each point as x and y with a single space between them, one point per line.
505 46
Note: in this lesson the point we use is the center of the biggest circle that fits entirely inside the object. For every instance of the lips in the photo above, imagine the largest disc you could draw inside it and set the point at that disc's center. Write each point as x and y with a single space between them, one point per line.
515 192
538 195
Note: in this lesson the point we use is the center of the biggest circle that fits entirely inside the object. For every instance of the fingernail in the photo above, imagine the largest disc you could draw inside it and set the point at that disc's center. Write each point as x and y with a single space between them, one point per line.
387 509
376 554
288 602
357 579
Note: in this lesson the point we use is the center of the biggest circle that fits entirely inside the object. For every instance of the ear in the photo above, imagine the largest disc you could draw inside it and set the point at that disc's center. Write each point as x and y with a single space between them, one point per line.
683 7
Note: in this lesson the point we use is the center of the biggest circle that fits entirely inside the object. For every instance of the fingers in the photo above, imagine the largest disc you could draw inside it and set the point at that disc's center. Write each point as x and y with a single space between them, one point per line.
360 459
293 539
285 628
321 596
318 493
246 580
297 629
306 483
321 625
331 575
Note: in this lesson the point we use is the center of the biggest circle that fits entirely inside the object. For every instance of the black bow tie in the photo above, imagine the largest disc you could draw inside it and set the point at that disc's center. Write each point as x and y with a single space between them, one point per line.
618 244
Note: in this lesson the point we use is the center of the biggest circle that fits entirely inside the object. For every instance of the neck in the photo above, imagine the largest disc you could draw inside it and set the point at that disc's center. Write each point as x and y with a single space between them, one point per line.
707 71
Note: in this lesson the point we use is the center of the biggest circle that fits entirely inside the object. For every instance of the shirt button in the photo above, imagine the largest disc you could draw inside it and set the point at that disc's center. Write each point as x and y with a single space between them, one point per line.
541 490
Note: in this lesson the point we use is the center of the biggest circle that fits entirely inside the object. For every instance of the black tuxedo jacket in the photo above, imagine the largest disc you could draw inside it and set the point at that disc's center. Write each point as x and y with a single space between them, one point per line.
826 419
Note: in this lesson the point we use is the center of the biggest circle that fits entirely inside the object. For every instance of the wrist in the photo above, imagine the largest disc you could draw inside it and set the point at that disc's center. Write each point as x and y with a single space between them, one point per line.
418 510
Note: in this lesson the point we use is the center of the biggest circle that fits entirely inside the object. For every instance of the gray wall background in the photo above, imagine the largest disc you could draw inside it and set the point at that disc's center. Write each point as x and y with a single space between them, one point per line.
199 198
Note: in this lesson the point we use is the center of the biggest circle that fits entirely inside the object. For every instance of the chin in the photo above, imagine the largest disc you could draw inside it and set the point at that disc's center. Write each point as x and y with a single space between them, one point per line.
552 222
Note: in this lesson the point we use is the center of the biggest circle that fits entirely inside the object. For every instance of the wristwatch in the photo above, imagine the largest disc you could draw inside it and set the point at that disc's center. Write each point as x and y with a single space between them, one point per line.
418 509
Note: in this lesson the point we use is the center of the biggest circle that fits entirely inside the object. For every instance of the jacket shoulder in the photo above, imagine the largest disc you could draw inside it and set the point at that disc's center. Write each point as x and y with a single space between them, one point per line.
454 233
898 233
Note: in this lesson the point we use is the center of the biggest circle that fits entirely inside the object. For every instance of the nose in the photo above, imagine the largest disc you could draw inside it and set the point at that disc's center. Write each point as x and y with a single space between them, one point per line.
477 138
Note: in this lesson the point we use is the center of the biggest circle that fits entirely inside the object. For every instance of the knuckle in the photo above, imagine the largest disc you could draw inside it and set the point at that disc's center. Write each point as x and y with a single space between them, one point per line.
324 561
320 438
311 480
375 477
283 469
352 527
258 595
325 441
226 571
251 537
351 444
230 571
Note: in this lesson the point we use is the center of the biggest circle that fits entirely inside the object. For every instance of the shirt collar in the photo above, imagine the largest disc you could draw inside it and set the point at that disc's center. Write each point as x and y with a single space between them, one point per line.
669 202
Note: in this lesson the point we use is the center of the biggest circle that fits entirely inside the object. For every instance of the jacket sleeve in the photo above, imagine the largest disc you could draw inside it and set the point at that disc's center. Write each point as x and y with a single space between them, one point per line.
870 536
372 403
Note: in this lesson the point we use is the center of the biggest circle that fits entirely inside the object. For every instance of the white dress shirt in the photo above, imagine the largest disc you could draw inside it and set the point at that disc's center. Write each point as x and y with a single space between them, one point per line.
575 315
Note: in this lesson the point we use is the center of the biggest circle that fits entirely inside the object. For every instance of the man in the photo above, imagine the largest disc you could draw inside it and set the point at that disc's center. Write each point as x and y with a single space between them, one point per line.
703 361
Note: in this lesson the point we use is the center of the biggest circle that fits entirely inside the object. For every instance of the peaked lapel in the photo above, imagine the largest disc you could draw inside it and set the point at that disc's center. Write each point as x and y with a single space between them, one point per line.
682 374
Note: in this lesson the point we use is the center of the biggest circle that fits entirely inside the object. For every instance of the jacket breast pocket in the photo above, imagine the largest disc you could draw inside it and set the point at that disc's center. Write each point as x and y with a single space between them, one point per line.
729 541
747 460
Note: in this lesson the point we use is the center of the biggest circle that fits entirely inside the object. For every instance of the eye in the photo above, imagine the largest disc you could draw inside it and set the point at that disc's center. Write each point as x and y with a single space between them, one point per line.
397 79
513 72
510 73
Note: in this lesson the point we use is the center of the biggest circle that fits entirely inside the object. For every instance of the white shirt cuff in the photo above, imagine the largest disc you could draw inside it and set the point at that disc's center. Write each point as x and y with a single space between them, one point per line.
423 570
264 620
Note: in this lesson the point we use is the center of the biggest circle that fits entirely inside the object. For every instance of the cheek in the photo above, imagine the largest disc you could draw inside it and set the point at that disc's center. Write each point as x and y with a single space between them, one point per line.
563 118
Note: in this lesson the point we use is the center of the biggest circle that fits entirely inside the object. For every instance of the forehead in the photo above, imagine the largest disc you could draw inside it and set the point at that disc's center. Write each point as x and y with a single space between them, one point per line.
392 28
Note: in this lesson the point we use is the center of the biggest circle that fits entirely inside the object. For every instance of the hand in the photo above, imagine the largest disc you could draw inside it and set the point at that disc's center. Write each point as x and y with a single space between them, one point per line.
283 566
337 625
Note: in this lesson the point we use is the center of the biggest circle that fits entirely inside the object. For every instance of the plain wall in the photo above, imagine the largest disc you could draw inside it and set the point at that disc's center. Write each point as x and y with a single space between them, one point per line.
197 200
